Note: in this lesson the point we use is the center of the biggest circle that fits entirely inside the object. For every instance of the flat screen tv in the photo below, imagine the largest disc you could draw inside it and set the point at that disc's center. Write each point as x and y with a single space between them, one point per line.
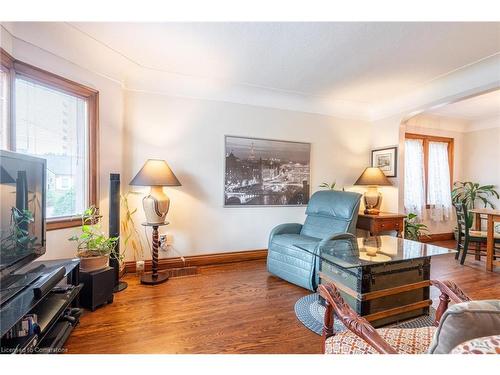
22 210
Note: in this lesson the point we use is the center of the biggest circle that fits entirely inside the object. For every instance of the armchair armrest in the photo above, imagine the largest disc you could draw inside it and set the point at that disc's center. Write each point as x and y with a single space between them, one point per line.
291 228
449 292
354 323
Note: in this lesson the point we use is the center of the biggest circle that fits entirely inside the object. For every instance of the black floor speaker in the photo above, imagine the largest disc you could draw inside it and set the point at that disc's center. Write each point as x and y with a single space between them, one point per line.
114 228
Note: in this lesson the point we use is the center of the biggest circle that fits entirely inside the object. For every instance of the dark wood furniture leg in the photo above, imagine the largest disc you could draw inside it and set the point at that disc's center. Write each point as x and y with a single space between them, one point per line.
449 292
328 329
478 228
154 277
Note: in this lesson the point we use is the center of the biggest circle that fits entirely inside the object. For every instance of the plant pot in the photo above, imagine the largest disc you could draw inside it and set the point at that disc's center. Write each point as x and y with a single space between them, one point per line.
95 263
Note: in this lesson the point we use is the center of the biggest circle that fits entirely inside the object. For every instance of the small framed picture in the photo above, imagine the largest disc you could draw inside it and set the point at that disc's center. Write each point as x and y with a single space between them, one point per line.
387 160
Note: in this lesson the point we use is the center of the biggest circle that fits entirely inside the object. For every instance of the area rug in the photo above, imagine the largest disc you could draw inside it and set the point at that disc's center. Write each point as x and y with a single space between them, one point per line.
310 313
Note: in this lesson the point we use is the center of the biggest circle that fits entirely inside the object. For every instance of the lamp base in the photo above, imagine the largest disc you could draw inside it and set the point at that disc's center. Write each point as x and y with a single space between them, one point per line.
156 205
373 200
372 211
154 279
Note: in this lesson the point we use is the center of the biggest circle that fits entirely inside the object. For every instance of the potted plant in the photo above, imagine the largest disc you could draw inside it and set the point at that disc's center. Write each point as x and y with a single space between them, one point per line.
413 229
469 192
326 185
130 235
93 246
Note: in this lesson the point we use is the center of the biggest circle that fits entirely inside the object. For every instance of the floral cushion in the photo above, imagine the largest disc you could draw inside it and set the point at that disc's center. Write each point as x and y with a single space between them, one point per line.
482 345
403 340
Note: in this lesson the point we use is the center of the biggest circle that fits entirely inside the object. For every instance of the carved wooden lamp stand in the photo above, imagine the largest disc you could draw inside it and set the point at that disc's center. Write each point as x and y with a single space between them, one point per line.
154 277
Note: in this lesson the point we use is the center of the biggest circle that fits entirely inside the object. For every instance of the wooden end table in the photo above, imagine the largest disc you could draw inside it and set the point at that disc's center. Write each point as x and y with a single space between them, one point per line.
383 222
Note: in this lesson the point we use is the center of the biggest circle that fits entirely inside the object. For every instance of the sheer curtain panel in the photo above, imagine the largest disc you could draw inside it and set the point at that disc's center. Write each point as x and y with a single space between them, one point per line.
438 185
414 197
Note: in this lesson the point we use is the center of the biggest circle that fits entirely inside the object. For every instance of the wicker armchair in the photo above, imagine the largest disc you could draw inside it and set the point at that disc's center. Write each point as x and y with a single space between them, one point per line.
362 338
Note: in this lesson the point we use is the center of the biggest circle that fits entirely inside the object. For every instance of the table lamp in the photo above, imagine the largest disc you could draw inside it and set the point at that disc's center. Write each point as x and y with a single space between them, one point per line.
372 177
156 174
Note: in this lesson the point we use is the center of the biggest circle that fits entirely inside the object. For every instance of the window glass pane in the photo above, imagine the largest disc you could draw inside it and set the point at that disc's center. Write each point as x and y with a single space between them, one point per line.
53 125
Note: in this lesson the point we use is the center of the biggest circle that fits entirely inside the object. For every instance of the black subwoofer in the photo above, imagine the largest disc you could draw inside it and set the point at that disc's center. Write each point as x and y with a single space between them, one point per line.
114 228
97 288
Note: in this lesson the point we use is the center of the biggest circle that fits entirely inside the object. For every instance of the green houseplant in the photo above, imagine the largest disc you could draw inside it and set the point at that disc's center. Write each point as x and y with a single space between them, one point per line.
18 239
470 192
93 246
326 185
413 229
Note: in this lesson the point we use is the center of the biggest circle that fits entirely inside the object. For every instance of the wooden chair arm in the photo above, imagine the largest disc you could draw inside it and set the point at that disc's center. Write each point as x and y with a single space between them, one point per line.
449 291
354 323
452 290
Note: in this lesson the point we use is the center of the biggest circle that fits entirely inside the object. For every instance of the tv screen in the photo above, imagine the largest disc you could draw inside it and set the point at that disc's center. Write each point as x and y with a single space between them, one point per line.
22 210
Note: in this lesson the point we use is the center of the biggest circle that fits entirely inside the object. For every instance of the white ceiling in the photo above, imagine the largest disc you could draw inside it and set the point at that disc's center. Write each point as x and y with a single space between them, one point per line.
478 108
360 62
359 70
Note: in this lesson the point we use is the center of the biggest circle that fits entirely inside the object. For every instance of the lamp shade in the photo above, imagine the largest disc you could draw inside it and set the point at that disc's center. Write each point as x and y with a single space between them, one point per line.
155 173
373 176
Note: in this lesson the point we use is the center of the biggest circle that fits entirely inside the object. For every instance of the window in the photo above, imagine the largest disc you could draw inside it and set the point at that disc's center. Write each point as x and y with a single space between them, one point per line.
56 119
428 175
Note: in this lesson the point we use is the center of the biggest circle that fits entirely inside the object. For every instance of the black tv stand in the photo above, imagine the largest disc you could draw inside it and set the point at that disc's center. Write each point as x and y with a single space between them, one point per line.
54 301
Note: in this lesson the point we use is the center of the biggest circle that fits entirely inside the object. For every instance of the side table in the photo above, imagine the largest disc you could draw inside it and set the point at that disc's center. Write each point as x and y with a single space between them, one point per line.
385 221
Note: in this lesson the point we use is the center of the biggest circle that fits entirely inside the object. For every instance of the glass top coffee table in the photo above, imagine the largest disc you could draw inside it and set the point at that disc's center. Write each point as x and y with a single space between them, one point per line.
385 279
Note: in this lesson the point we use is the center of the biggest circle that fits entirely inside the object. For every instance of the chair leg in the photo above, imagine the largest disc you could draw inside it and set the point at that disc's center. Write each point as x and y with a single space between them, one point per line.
464 251
459 240
478 251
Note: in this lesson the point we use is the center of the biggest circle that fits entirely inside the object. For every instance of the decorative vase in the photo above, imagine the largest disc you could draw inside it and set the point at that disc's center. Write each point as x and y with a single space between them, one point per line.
156 205
95 263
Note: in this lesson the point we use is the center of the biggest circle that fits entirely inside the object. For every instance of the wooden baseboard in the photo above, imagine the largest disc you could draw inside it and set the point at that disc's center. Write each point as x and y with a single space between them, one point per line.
202 260
437 237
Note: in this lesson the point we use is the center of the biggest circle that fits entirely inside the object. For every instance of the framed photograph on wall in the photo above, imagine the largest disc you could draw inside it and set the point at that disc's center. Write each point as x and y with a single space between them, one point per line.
266 172
387 160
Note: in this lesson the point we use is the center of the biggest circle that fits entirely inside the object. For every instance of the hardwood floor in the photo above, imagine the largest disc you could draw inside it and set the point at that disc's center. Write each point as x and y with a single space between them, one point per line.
231 308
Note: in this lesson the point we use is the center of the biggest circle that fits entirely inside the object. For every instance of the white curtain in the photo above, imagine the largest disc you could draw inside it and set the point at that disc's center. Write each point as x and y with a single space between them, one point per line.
414 198
438 186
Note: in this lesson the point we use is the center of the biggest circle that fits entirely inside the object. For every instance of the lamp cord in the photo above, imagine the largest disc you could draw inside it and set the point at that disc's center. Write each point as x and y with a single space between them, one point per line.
151 250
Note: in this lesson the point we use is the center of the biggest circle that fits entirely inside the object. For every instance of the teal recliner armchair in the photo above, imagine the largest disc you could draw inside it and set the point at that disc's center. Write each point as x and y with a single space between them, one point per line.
329 213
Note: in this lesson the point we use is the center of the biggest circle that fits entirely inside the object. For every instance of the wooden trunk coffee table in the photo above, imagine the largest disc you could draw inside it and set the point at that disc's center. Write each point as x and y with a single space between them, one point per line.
384 279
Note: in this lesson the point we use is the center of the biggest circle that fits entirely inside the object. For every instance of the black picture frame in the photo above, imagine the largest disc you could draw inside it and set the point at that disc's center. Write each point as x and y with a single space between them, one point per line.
390 155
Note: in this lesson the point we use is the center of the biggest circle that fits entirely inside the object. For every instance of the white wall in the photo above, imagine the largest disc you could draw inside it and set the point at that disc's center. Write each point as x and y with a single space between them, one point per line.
189 135
385 134
110 121
481 161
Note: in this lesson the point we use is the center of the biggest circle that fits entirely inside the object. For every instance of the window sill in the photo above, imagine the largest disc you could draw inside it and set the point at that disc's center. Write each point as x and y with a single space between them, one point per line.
63 222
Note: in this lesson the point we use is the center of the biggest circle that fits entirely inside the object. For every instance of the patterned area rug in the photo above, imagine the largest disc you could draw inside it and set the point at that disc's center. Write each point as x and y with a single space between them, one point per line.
310 313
